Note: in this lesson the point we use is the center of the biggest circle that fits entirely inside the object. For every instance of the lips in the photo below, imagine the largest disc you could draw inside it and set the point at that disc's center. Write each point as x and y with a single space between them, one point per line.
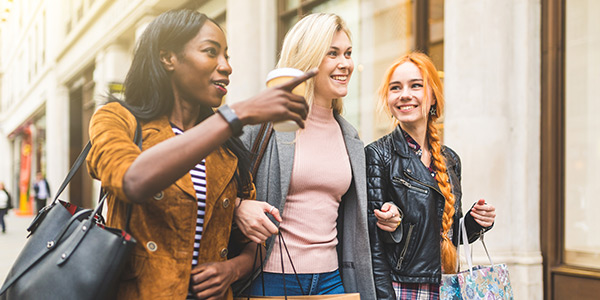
406 107
342 78
221 85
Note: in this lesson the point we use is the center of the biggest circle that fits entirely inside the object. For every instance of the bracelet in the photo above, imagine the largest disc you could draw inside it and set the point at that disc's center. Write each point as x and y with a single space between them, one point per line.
232 119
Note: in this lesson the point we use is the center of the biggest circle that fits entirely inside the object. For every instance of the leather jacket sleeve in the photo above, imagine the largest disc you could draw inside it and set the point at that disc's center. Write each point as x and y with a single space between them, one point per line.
377 195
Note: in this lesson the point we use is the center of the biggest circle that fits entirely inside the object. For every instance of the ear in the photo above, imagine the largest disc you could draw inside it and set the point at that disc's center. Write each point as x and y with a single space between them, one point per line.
167 58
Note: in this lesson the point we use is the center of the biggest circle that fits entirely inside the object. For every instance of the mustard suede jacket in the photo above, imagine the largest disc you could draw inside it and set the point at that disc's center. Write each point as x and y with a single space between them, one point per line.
164 226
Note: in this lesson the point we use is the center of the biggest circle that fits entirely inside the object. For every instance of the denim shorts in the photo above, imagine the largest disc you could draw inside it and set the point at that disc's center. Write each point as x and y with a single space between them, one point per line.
312 284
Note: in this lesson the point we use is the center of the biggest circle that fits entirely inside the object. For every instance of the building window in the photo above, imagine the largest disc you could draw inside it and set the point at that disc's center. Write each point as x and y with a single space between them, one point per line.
582 145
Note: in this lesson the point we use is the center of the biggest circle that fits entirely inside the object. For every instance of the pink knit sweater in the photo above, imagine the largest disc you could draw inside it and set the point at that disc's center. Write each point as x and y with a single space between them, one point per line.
321 174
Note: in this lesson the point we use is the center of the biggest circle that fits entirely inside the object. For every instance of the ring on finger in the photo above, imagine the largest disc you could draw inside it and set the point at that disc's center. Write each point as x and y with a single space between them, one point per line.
271 210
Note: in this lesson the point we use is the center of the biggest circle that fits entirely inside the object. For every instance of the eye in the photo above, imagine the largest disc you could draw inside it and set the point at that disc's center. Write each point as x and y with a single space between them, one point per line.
417 85
211 51
332 53
395 88
348 54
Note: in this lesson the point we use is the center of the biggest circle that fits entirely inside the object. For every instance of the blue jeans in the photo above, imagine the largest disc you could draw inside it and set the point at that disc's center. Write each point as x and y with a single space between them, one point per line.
312 284
3 212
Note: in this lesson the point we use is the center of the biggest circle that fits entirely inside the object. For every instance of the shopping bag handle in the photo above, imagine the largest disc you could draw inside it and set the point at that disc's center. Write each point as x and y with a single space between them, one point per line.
282 244
468 253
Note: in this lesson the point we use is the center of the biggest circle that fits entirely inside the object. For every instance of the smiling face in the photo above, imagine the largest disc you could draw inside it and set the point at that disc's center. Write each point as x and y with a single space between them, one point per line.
335 70
407 98
200 73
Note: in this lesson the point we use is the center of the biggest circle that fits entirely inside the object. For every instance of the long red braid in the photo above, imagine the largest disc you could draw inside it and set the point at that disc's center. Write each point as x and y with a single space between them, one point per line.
431 82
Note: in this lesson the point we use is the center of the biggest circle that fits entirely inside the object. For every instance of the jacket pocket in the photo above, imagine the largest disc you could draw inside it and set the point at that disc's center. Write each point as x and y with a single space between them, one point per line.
409 185
405 247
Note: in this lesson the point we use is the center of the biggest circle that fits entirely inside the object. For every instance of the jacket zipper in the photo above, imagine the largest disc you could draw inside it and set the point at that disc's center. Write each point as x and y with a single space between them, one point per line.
425 184
408 185
403 253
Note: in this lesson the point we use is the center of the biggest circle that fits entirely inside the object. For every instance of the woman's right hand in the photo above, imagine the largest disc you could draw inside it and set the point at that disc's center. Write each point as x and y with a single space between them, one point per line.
253 222
275 104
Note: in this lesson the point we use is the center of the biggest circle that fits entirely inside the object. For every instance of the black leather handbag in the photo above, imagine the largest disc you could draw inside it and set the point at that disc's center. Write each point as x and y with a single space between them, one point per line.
70 254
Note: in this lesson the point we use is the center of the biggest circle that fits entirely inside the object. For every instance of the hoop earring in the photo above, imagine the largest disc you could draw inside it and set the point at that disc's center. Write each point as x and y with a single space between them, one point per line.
433 110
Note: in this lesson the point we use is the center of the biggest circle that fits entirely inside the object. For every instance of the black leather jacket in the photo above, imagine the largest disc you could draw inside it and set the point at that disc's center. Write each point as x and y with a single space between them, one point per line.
412 254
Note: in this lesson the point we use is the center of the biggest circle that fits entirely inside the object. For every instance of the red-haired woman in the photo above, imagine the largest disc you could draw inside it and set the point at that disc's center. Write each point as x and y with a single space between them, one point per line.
411 168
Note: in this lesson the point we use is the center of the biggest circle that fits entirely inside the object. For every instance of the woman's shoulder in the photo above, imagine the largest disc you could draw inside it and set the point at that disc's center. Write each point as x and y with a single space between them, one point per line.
382 142
112 116
347 128
452 157
380 148
249 134
116 111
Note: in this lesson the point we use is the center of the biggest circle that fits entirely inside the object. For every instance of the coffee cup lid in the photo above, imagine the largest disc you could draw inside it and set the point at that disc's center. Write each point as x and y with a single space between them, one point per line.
279 72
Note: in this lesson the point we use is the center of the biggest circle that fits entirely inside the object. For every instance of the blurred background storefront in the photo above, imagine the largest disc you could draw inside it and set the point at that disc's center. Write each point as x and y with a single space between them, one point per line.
519 78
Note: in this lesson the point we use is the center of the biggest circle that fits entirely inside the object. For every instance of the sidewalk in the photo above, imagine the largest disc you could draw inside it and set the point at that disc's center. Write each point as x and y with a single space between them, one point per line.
12 241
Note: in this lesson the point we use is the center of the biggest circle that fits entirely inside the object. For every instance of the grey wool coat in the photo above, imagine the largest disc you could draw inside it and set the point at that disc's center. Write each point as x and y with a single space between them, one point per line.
272 185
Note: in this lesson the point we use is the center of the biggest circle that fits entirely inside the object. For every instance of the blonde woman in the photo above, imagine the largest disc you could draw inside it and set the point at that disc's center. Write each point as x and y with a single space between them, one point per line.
411 168
315 177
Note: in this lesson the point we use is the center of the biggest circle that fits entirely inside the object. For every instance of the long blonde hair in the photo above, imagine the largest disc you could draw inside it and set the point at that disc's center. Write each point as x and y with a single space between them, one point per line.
307 43
431 82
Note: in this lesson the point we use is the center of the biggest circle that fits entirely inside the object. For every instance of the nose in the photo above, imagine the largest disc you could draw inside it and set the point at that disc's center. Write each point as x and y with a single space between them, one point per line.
344 63
406 94
224 67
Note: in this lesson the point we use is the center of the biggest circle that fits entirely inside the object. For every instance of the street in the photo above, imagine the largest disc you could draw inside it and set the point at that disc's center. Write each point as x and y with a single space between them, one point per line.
12 241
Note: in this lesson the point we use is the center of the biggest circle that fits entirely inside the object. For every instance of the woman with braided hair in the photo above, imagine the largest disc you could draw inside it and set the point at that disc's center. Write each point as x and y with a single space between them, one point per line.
412 169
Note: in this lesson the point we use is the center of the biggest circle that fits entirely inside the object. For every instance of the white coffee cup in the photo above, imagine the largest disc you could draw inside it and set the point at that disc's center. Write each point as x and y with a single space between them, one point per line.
280 76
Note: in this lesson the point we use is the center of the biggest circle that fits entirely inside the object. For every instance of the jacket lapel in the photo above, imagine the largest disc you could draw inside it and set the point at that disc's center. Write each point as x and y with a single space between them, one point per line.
220 169
164 131
411 163
354 147
286 146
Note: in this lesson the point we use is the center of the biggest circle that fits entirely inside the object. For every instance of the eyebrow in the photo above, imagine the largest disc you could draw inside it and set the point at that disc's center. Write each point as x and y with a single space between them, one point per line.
212 42
412 80
336 48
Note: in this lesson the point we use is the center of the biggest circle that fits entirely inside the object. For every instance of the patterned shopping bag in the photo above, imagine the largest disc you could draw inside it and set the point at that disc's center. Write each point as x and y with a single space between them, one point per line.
449 287
478 282
485 282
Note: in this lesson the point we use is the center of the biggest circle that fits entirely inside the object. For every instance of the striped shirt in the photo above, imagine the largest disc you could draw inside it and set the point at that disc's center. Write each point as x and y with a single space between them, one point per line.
199 180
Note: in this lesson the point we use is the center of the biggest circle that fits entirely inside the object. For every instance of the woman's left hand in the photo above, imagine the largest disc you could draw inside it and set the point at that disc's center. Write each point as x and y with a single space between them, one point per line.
388 217
483 213
211 280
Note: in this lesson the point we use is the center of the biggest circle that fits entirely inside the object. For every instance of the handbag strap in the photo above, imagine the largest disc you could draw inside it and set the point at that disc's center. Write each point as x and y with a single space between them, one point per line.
260 146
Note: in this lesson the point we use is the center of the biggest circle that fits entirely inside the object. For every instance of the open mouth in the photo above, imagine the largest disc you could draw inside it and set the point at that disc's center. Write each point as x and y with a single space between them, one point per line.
341 78
407 107
222 86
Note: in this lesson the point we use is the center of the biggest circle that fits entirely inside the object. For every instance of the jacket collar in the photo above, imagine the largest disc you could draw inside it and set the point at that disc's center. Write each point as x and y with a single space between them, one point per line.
412 164
399 143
